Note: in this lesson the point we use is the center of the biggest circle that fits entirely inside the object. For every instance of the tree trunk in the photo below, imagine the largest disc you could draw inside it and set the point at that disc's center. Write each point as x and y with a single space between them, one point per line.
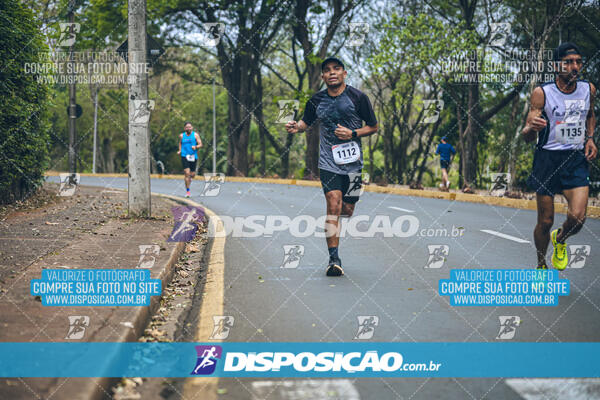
240 90
424 160
109 156
471 134
509 141
370 156
258 100
285 158
312 134
388 150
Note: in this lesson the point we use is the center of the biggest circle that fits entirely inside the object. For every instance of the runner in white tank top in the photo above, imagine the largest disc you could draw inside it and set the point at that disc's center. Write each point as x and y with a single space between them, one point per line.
566 114
562 117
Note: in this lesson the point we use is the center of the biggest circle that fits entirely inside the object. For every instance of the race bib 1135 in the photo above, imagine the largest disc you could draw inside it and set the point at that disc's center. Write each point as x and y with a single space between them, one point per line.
570 133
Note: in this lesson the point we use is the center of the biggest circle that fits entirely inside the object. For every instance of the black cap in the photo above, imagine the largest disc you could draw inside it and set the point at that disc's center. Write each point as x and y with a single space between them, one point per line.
565 49
332 59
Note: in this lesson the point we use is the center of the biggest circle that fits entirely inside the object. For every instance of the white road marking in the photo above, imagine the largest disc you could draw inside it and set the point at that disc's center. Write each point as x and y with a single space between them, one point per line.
400 209
505 236
543 389
305 389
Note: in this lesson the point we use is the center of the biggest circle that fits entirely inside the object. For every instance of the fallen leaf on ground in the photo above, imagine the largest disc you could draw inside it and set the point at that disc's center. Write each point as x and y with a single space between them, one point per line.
183 274
155 333
192 248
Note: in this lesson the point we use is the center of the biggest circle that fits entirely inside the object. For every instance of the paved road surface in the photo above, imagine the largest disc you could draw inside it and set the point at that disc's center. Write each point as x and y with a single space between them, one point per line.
386 278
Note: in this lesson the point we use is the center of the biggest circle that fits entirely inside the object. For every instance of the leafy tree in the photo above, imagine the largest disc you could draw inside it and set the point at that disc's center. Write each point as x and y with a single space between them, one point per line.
23 101
251 26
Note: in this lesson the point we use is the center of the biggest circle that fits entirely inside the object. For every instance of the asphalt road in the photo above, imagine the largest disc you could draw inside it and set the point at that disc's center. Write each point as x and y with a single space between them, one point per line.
386 278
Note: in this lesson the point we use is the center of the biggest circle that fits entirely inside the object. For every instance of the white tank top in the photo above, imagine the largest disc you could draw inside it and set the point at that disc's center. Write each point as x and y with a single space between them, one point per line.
566 114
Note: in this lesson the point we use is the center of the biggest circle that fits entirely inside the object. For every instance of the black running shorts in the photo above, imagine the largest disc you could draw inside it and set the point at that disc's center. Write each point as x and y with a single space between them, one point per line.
332 181
556 170
189 164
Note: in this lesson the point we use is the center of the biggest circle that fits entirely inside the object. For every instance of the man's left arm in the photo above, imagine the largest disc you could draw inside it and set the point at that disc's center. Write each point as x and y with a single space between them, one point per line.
591 151
198 141
346 133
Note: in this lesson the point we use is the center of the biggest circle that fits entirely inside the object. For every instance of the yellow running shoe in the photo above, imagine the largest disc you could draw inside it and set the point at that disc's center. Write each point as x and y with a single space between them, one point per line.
560 258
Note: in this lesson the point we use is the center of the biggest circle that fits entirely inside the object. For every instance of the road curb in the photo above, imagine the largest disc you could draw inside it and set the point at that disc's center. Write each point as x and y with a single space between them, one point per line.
523 204
212 302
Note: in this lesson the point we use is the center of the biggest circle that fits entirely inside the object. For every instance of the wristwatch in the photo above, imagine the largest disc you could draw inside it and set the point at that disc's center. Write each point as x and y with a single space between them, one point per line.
589 138
354 134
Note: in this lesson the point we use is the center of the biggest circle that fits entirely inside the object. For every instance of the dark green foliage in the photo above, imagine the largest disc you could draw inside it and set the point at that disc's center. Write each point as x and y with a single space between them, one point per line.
23 101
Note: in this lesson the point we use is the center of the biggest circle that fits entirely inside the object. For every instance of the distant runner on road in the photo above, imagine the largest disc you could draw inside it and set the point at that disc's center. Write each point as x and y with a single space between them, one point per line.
562 117
446 152
341 110
189 143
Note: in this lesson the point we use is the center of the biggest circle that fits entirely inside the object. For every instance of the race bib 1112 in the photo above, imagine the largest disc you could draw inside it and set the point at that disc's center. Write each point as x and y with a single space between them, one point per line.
345 153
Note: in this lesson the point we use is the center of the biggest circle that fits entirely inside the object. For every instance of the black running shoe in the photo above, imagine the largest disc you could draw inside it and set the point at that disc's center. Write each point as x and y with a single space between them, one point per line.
335 267
542 266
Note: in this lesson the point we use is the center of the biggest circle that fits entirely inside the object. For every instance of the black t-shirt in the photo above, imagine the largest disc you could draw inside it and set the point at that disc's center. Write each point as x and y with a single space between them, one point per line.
349 109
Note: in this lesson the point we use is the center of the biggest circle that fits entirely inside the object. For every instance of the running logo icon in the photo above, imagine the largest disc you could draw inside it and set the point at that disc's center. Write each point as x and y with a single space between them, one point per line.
366 326
573 111
578 255
292 254
287 111
207 359
68 184
508 327
68 33
148 254
356 33
432 110
499 184
222 326
212 184
77 325
357 181
185 223
141 111
499 33
211 35
437 255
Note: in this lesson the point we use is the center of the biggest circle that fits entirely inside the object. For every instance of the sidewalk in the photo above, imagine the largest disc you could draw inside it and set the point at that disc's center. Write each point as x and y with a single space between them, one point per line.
86 230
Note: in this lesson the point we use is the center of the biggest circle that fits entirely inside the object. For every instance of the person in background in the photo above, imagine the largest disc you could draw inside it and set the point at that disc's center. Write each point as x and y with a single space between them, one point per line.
189 143
446 152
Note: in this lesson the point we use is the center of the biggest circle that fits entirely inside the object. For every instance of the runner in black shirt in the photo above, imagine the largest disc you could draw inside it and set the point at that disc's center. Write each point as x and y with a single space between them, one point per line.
341 110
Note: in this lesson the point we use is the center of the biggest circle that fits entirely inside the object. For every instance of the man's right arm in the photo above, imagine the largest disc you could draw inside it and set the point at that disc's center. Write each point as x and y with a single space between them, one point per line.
295 127
310 115
180 137
535 122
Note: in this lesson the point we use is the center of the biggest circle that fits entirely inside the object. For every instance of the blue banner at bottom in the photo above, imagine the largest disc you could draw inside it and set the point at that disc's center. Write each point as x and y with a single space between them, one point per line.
305 359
